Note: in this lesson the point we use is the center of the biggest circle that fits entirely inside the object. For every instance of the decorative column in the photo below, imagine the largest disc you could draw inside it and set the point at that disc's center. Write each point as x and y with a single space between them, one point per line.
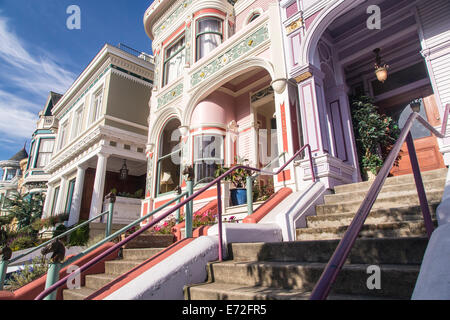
99 185
47 203
61 196
77 195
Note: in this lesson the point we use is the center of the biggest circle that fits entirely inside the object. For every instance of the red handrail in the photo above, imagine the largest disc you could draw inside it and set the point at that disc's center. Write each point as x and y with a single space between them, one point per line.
323 287
217 182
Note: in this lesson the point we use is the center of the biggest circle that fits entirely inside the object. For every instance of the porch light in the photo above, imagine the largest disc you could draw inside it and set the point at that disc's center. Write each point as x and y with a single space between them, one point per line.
415 105
124 171
381 70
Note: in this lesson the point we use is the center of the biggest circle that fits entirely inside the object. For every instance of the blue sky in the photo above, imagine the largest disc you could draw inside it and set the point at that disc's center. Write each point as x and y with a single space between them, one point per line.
38 54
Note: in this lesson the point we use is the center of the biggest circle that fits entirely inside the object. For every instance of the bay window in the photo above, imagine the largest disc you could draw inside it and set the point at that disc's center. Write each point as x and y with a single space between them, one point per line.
209 36
174 61
208 154
44 154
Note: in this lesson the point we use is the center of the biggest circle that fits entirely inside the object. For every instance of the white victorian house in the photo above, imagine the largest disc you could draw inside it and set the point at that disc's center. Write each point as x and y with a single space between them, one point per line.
101 127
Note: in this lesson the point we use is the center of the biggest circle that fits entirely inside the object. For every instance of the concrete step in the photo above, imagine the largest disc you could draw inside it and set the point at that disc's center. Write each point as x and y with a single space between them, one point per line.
223 291
405 179
387 191
392 201
378 216
146 240
382 230
98 281
140 254
371 251
119 267
398 281
77 294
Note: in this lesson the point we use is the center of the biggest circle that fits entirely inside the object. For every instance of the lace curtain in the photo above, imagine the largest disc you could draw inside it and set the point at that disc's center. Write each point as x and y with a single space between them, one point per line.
209 41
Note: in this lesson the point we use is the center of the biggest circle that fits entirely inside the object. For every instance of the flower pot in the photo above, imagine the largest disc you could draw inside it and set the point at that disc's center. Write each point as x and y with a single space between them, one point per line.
238 197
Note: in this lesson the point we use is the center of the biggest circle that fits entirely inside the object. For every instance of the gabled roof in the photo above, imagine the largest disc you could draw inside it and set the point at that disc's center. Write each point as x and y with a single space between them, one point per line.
52 100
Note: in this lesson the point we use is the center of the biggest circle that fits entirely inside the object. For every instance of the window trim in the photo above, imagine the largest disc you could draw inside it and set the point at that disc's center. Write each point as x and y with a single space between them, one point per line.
167 59
70 192
36 156
93 117
194 154
62 142
198 34
73 133
55 200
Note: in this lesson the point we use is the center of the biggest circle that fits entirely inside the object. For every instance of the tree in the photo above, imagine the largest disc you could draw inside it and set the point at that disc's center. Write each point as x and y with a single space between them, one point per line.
26 209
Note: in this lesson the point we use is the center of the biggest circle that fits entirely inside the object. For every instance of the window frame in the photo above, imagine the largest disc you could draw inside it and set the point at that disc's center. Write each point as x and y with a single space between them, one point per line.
38 152
69 198
166 59
199 34
55 200
95 113
63 139
201 160
77 127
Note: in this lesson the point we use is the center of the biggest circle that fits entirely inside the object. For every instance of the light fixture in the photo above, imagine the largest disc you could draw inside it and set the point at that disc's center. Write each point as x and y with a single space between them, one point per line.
381 70
124 171
415 105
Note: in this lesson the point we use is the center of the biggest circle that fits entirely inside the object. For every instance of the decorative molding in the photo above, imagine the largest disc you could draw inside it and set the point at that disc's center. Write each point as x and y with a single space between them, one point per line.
172 15
262 94
234 53
172 94
297 24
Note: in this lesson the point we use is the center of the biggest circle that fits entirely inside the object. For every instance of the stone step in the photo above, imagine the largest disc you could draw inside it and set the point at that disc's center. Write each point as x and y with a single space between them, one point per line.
140 254
146 240
393 201
404 179
98 281
119 267
379 216
383 230
371 251
397 281
77 294
224 291
387 191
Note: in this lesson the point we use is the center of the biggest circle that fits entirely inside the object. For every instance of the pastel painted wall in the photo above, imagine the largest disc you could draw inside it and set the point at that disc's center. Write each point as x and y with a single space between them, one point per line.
218 108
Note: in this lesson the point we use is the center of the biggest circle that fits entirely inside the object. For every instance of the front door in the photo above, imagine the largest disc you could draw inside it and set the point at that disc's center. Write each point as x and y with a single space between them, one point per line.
426 144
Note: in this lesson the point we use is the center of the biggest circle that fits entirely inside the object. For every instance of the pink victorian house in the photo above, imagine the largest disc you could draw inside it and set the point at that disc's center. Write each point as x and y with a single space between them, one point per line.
221 80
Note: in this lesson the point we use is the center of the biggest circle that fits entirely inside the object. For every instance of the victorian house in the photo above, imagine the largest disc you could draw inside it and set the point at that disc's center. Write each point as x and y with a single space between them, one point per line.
101 127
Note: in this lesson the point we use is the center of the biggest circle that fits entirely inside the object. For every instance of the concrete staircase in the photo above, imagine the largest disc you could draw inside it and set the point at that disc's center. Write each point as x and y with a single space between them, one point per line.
393 239
134 254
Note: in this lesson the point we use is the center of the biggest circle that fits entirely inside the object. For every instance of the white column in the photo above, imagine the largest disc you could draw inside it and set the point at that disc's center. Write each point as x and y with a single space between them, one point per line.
61 197
99 185
77 196
47 203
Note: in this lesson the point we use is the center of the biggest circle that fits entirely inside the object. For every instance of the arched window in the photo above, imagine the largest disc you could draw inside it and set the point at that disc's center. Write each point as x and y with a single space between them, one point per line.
254 17
169 158
209 35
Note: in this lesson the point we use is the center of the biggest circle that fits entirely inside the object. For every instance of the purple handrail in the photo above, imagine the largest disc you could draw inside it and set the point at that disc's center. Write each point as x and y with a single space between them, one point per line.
323 287
217 182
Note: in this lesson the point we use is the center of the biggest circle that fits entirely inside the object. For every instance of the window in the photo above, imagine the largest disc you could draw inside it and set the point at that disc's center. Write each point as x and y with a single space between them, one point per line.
208 153
77 125
209 36
10 174
70 196
96 108
63 135
55 200
254 17
44 154
169 167
174 61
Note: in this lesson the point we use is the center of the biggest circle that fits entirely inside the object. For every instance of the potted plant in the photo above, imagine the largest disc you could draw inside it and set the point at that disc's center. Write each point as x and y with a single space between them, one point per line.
239 179
375 135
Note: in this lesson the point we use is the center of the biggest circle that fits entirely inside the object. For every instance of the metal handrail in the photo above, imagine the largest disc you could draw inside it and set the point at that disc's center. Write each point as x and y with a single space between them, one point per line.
216 182
57 237
329 275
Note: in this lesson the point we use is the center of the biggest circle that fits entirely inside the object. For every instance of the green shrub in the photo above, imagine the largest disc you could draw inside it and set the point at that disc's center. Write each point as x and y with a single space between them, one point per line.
79 237
23 242
32 271
59 230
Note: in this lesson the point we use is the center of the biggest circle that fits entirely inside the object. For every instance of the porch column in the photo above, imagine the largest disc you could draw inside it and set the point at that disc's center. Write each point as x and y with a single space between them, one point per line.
77 196
61 196
99 185
47 203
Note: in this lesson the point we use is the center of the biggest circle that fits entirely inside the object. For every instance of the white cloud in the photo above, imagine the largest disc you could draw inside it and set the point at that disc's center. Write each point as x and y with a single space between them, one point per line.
25 81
